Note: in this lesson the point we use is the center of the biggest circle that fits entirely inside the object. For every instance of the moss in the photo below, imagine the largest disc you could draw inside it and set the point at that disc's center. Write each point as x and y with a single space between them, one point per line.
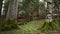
8 25
57 23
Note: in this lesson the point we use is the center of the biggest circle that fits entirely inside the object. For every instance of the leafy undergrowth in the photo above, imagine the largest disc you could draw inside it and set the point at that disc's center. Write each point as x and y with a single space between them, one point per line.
50 26
31 27
34 26
9 32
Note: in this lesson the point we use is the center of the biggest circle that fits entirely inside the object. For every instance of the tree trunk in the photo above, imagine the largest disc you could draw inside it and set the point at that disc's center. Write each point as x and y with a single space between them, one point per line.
1 1
13 9
1 17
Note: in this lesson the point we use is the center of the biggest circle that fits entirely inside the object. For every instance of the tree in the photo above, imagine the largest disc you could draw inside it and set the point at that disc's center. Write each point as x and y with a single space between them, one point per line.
1 2
1 17
12 10
54 24
10 22
6 5
56 6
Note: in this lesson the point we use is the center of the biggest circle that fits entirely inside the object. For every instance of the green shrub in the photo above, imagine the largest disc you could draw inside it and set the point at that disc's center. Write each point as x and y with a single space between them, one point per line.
8 25
57 23
10 32
27 32
46 27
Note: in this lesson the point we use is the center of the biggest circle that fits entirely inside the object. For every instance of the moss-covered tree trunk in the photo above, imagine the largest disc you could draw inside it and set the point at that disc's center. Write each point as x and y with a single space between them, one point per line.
13 9
11 18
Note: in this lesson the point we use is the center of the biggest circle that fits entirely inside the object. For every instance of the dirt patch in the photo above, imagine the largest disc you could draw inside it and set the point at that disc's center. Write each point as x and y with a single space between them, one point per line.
52 32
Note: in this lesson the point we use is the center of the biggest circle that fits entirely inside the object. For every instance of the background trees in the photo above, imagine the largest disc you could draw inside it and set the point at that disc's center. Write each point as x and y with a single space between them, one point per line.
31 8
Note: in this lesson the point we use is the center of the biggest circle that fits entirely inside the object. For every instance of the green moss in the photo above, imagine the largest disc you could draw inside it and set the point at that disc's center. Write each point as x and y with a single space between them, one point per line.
8 25
57 23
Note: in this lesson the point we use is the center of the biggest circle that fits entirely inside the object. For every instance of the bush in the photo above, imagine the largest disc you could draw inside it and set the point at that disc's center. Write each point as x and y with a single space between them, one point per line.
27 32
57 23
46 27
10 32
8 25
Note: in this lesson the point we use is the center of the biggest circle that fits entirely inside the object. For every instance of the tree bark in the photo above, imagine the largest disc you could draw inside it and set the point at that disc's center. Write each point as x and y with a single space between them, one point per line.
1 17
1 2
13 9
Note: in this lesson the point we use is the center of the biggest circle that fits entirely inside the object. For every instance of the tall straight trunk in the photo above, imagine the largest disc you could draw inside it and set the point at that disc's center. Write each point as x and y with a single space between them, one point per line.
12 10
1 2
1 17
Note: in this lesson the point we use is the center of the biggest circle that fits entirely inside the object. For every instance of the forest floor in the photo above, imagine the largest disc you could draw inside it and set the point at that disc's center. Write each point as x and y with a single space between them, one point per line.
31 28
